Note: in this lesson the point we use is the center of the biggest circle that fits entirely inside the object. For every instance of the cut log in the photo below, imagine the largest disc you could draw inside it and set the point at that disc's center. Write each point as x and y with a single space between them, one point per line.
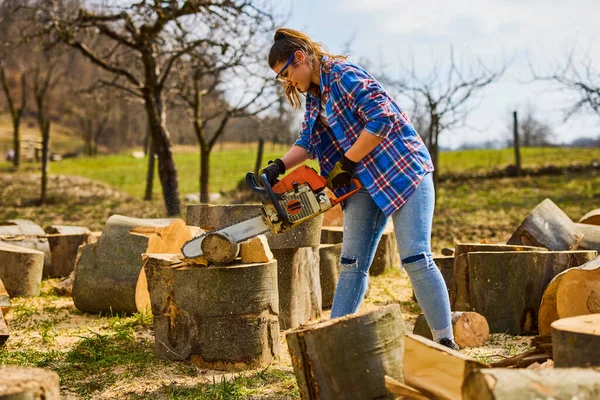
470 328
256 250
329 261
332 234
404 391
219 248
386 255
435 370
591 218
511 384
507 288
217 317
573 292
5 305
210 217
446 266
349 357
64 252
576 341
109 275
591 236
459 289
21 270
25 233
27 383
547 226
4 333
67 230
299 285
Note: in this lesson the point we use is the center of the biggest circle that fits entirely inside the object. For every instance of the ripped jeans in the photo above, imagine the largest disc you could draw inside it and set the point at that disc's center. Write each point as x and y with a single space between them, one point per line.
364 223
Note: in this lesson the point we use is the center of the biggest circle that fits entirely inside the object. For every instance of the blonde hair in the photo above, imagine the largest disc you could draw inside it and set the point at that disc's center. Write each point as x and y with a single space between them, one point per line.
287 41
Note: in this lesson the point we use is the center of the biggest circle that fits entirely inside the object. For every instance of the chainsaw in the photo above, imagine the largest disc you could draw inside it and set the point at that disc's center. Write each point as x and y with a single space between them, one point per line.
296 198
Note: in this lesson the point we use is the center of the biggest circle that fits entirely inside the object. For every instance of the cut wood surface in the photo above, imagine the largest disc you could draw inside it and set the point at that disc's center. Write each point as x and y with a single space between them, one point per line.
217 317
26 233
591 236
28 383
109 275
4 333
470 328
576 341
522 384
349 357
507 288
219 248
592 218
547 226
434 369
21 270
406 392
573 292
329 260
256 250
5 305
299 284
459 289
63 247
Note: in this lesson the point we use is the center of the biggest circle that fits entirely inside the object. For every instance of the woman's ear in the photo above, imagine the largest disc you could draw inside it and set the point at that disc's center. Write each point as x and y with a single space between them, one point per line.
299 56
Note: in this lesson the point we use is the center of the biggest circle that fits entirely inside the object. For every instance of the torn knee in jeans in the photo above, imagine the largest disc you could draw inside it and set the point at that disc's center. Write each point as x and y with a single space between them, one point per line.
347 260
414 258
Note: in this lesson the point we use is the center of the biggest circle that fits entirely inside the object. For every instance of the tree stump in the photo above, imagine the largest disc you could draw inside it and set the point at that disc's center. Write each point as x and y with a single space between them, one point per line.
573 292
329 261
218 317
27 383
591 218
459 290
386 255
332 234
67 230
507 288
109 275
576 341
299 285
219 248
446 266
470 328
512 384
210 217
64 252
5 305
25 233
434 369
547 226
591 236
349 357
21 270
4 333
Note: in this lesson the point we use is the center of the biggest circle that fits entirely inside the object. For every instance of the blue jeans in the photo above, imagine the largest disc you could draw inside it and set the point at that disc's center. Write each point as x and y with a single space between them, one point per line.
364 223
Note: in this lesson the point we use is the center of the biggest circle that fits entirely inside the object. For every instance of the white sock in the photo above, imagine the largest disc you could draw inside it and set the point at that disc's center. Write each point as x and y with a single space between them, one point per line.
442 333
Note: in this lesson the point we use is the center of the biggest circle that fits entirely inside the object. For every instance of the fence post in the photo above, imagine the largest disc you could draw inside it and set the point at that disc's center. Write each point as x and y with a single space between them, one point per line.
516 144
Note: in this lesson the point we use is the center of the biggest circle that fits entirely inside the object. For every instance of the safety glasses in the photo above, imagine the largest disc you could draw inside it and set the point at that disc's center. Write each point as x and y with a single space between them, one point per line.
279 76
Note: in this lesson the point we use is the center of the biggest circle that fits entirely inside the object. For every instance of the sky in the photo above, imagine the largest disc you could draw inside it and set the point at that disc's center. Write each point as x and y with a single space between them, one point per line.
541 33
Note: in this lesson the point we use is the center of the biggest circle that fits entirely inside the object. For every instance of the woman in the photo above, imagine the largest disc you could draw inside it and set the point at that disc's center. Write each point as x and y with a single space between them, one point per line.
353 127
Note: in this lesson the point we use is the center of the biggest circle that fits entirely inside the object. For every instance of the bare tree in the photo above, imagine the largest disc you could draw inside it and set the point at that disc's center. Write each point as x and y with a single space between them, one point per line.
148 38
444 98
532 131
16 112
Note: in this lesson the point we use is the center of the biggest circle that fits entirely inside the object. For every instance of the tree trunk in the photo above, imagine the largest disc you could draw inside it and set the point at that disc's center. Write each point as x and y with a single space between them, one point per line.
329 261
573 292
64 253
218 317
516 144
5 305
576 341
27 383
21 270
547 226
507 288
150 170
522 384
470 328
45 127
109 275
204 174
434 369
17 141
591 218
4 332
349 357
460 298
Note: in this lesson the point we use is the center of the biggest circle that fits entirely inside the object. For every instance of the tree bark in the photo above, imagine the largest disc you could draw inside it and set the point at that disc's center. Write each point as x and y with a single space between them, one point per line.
25 233
591 236
329 261
576 341
507 288
521 384
547 226
27 383
460 298
4 332
573 292
218 317
64 253
204 174
150 171
470 328
21 270
349 357
5 305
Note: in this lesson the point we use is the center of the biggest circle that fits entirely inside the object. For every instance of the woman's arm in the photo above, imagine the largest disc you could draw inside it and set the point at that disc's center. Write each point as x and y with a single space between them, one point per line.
365 143
296 155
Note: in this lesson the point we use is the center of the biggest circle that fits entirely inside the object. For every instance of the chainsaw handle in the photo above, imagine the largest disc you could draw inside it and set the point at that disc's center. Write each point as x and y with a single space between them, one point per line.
280 211
338 200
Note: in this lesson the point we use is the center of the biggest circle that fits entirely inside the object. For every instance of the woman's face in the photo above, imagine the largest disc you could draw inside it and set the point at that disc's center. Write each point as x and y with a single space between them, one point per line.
298 73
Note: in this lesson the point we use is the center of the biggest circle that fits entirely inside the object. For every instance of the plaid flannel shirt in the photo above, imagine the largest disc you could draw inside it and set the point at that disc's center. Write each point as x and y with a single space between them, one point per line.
355 101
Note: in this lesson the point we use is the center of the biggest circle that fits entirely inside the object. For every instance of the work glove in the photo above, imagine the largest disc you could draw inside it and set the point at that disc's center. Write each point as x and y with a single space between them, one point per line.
272 170
341 174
